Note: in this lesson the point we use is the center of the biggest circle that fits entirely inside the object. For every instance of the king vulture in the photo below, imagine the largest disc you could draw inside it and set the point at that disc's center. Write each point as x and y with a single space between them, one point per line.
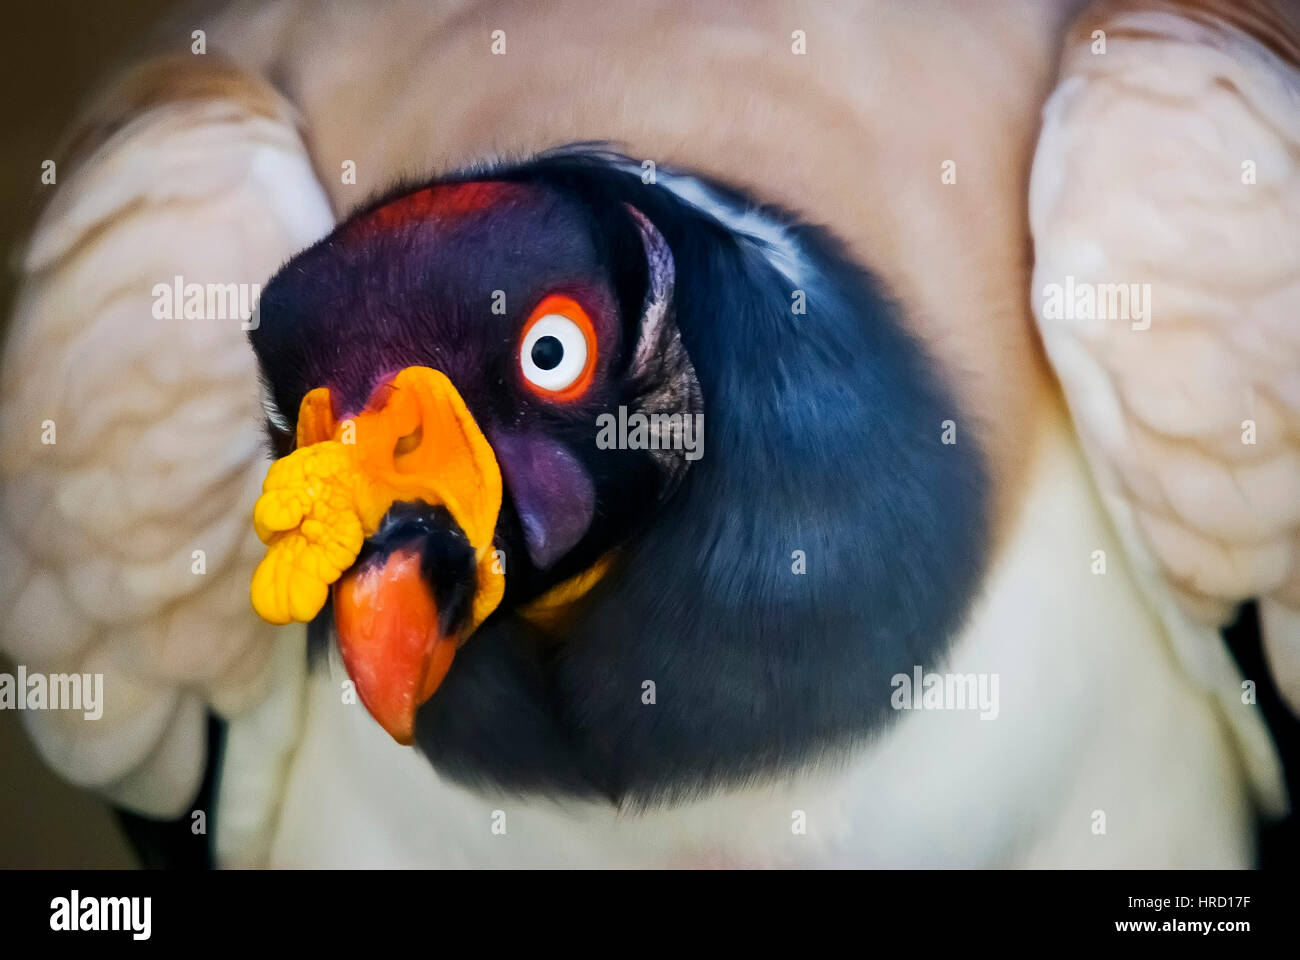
396 530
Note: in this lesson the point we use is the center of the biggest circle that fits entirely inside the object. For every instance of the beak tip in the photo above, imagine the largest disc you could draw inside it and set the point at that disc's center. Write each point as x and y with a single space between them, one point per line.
402 731
389 637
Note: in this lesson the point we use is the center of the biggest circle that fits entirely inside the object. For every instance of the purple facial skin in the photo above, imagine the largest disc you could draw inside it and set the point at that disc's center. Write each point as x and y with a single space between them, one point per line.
551 490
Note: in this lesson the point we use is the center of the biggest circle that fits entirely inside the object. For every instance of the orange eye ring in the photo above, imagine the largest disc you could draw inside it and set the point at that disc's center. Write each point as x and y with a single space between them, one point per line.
564 319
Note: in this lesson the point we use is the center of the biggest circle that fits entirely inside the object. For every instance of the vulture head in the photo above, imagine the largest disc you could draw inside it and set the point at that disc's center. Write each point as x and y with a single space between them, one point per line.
609 487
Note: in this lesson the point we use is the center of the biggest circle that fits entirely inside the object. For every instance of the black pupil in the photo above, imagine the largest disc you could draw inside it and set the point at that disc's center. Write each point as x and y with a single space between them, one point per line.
547 353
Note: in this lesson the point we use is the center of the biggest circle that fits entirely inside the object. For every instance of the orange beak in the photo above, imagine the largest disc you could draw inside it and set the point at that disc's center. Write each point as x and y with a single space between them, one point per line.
415 442
389 637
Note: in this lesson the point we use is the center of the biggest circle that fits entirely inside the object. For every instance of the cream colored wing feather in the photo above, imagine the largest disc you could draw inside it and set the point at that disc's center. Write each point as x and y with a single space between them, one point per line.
131 443
1166 188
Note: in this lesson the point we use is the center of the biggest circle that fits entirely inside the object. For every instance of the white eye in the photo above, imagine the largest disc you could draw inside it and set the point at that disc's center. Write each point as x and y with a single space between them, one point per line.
554 353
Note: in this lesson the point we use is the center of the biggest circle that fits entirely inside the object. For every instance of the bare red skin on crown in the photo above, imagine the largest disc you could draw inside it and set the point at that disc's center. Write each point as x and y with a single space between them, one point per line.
442 203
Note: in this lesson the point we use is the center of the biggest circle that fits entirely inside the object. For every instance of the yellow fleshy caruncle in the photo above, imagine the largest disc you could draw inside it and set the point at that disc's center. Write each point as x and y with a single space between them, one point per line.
307 516
416 440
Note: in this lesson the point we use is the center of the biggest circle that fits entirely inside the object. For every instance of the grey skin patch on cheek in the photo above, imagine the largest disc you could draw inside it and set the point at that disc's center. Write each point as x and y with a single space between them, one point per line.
552 492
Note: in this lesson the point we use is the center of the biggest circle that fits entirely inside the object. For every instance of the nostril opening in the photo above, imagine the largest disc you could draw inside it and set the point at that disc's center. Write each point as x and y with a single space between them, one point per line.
409 442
